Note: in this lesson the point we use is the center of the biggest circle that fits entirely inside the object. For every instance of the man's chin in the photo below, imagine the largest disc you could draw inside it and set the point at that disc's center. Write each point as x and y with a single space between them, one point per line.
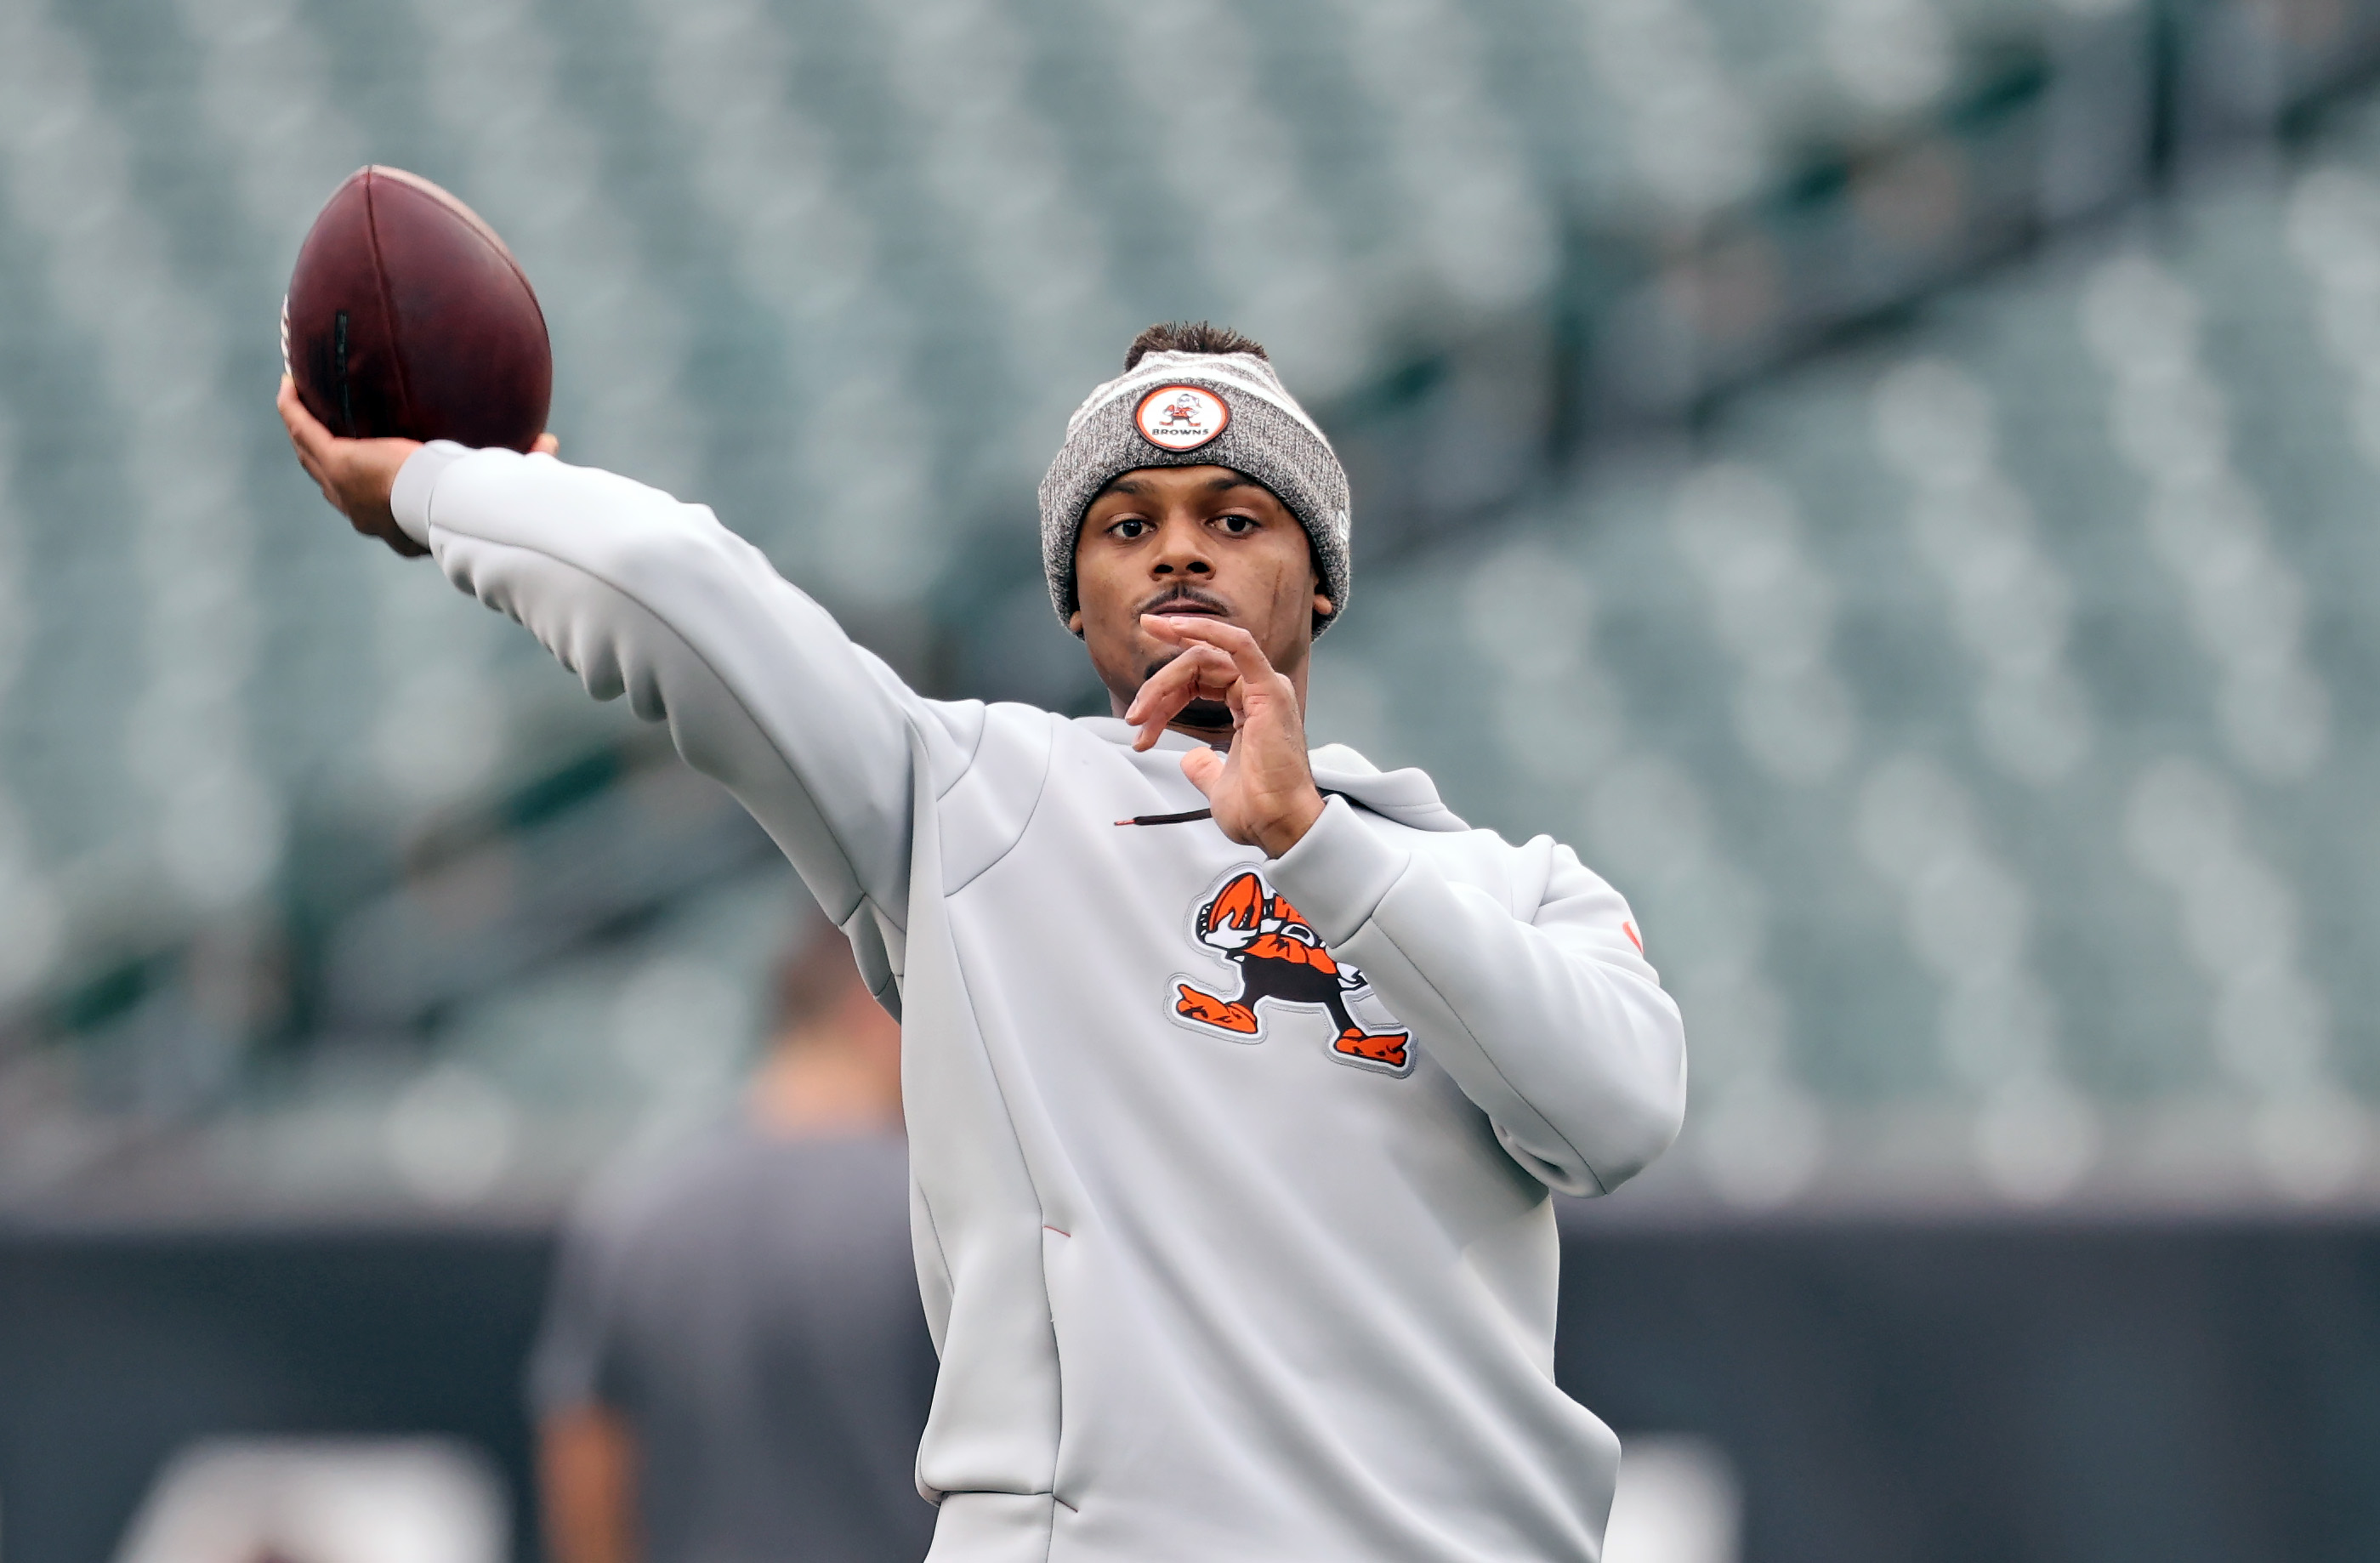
1206 716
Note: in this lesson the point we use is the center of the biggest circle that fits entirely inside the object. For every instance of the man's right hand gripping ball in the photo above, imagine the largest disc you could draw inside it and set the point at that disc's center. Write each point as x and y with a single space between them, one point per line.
357 475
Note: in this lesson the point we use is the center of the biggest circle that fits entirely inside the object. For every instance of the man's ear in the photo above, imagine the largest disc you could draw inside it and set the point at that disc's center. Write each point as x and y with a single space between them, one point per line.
1323 606
1075 623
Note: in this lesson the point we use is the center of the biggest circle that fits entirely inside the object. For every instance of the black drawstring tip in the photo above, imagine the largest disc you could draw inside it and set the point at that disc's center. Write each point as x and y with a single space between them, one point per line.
1169 819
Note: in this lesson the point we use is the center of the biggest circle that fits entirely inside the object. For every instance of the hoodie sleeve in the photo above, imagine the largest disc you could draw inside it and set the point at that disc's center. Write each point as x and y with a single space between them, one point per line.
641 595
1552 1022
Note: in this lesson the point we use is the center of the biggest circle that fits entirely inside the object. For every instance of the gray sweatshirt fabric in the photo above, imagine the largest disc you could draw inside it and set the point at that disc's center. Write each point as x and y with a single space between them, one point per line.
1230 1176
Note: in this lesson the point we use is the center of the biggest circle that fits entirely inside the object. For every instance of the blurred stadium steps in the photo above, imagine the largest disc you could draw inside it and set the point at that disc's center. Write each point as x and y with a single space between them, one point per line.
840 270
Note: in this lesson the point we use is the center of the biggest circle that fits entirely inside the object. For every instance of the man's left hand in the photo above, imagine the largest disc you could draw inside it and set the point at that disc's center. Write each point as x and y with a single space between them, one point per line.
1262 789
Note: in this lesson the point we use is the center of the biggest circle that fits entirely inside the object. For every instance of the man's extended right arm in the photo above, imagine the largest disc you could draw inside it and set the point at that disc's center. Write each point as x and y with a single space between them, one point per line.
643 595
638 594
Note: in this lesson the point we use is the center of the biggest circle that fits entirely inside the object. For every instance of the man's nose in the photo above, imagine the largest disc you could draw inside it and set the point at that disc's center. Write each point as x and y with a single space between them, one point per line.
1182 550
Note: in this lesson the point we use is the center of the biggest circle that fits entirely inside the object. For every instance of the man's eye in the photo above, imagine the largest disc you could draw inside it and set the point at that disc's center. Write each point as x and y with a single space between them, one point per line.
1130 527
1237 525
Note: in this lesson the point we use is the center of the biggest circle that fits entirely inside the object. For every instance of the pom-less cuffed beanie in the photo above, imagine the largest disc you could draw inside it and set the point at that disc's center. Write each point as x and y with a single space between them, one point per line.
1263 433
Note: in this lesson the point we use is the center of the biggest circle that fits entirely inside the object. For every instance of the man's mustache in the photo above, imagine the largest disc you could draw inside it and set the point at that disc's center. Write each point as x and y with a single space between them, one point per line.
1187 594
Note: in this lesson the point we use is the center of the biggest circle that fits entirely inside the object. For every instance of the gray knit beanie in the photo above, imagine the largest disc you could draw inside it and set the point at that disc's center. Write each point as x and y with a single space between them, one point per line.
1197 409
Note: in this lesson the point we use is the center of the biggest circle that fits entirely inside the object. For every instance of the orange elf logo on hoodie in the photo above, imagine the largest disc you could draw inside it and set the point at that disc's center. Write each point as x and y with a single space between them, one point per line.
1281 964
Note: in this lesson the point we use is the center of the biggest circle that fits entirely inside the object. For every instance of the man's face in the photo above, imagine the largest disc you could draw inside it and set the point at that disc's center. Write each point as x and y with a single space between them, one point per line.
1196 541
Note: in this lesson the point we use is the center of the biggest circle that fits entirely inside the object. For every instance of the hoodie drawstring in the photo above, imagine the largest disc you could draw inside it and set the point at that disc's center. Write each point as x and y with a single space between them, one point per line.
1185 817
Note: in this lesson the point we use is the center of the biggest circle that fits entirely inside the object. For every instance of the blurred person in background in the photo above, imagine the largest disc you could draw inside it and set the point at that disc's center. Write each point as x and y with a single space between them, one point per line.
735 1365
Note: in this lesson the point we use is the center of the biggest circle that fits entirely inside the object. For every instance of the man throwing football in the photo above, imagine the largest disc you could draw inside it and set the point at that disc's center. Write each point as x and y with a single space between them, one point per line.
1224 1262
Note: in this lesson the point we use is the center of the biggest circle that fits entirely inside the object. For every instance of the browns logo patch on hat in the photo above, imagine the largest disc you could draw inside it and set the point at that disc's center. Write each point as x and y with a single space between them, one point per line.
1180 418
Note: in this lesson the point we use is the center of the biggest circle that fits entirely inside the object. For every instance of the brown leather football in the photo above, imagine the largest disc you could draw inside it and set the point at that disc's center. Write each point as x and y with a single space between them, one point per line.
407 316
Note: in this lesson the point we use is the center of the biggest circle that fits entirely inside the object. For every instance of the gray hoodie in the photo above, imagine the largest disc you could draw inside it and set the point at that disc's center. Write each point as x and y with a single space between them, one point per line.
1229 1175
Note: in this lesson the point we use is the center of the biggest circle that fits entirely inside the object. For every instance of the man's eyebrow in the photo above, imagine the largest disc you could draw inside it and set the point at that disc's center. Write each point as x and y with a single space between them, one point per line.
1124 486
1232 481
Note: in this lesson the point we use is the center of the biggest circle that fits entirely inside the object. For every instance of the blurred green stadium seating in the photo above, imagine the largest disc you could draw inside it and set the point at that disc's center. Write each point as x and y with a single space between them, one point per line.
1948 668
1979 715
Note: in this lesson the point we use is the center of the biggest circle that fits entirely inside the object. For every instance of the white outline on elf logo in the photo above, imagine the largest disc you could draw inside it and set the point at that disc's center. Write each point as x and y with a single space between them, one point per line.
1180 418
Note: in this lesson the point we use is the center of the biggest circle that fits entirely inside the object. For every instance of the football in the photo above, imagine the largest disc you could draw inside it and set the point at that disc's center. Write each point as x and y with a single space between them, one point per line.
408 317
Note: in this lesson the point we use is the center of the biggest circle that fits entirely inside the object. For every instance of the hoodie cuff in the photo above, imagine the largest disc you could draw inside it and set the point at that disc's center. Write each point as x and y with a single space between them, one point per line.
1338 872
409 500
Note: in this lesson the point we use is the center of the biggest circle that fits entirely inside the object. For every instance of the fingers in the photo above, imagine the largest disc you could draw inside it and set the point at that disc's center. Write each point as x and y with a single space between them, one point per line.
305 430
309 439
1164 685
314 468
1186 678
1199 672
1204 767
1237 644
1219 662
306 459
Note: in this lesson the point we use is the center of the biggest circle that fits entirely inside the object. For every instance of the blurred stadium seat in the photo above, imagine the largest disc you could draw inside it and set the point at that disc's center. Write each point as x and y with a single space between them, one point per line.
1958 660
1977 718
